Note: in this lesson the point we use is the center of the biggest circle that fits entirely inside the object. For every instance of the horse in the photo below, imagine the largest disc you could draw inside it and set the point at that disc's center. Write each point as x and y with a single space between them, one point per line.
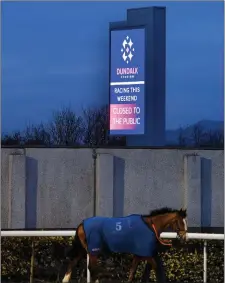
135 234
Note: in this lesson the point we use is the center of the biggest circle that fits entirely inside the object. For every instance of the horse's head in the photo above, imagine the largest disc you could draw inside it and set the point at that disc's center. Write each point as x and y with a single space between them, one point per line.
170 218
179 224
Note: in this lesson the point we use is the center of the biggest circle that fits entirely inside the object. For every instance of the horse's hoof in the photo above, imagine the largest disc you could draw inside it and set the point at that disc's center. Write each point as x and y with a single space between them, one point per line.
65 280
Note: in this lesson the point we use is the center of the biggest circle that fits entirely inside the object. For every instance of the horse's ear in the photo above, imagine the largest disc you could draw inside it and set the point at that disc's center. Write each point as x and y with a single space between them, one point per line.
183 212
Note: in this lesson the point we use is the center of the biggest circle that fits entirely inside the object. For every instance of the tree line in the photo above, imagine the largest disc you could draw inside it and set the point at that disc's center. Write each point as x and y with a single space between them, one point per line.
66 128
91 128
198 137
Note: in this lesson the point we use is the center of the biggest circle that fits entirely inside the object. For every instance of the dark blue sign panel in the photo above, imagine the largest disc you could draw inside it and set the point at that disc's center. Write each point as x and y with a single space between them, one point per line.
127 82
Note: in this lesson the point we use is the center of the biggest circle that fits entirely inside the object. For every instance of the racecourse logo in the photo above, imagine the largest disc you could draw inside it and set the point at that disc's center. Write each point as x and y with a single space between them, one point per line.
127 50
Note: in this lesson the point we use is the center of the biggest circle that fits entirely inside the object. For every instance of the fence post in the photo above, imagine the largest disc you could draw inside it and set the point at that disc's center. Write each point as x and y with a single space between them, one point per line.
88 272
205 262
32 262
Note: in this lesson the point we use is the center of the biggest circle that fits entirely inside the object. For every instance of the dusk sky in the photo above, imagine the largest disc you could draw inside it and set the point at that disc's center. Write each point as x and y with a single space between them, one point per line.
55 54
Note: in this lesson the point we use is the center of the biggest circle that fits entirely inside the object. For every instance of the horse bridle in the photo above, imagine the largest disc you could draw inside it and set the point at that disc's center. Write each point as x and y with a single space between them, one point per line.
178 234
178 230
164 242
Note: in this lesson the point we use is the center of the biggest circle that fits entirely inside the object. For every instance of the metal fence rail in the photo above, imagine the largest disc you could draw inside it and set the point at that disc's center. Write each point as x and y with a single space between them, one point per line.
193 236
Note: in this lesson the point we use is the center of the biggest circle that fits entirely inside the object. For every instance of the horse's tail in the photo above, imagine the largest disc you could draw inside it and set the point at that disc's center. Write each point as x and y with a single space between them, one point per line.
76 249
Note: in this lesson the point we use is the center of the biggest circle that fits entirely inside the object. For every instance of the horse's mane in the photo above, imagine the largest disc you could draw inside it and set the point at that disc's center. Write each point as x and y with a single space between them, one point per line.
164 210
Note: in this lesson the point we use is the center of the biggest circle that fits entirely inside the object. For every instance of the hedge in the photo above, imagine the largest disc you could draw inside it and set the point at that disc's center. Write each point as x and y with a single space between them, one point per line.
183 263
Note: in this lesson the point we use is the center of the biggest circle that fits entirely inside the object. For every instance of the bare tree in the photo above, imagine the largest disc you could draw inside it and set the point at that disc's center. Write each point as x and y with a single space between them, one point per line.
96 125
181 137
215 139
13 139
197 135
36 135
66 128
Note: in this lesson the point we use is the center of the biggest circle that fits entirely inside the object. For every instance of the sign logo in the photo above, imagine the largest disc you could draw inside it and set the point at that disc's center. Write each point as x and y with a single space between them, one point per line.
127 50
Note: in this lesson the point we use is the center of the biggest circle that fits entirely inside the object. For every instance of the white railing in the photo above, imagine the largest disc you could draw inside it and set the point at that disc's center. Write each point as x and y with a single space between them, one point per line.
193 236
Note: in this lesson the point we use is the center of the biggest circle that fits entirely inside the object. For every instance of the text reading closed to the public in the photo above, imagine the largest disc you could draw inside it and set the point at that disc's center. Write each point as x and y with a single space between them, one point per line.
127 82
124 116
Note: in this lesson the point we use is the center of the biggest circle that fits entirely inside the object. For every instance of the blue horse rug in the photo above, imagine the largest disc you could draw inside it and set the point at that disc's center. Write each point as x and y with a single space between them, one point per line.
120 235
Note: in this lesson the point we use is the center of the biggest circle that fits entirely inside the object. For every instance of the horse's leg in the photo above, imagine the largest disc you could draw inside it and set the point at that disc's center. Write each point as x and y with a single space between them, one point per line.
160 270
70 267
133 268
158 267
92 266
97 272
146 273
77 251
148 268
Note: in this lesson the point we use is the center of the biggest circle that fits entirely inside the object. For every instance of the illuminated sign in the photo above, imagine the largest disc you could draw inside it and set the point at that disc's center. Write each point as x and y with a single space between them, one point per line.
127 82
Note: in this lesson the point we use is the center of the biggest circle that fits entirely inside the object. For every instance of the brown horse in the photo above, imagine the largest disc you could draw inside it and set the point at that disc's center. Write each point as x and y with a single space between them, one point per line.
156 222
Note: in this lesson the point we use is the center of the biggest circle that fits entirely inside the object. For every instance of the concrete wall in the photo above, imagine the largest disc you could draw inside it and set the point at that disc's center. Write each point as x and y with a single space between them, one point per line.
58 188
54 188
